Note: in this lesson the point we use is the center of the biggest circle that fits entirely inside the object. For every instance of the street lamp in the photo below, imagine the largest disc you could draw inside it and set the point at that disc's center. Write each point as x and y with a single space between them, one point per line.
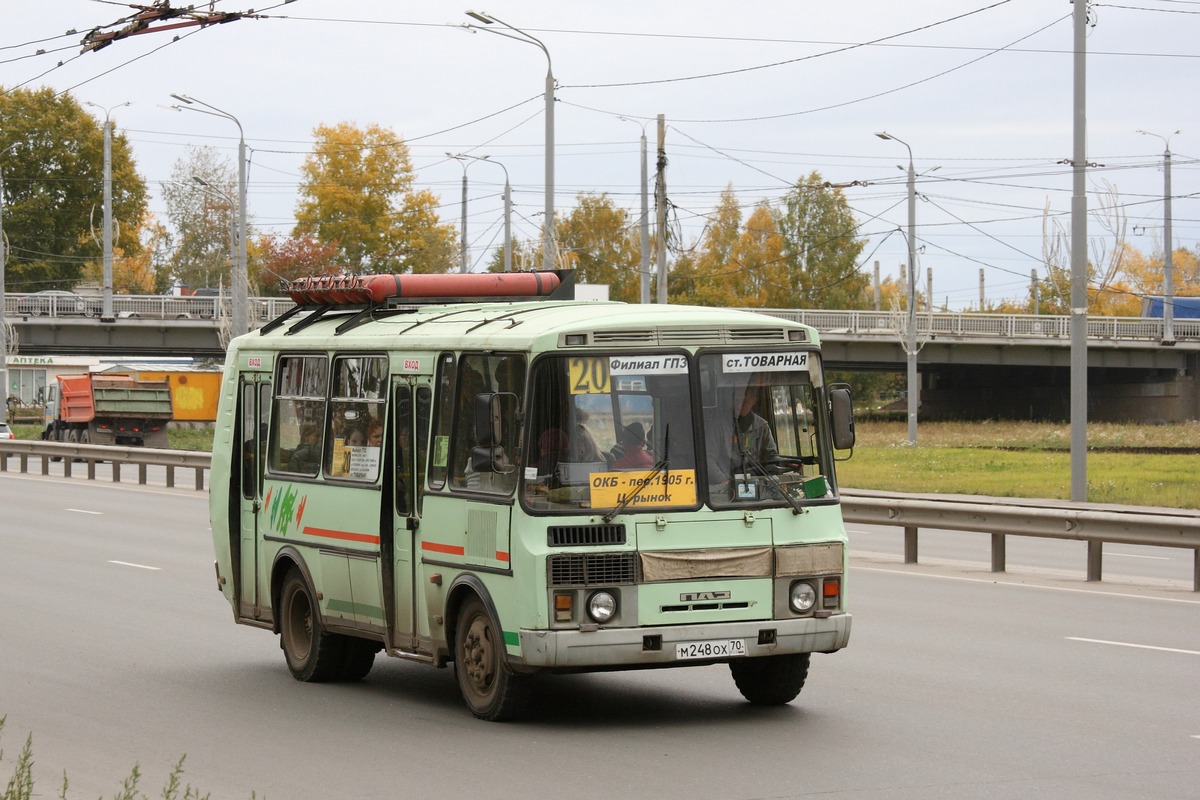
910 344
1168 267
507 206
548 222
645 226
106 307
240 322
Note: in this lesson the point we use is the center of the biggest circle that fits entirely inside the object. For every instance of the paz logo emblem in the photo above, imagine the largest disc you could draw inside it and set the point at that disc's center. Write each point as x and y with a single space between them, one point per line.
693 597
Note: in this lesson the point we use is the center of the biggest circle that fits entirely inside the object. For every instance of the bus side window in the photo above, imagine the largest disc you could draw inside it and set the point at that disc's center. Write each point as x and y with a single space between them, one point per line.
354 441
439 454
299 414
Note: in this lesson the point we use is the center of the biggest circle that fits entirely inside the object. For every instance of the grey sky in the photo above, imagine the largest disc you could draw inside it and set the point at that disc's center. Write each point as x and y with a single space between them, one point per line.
981 90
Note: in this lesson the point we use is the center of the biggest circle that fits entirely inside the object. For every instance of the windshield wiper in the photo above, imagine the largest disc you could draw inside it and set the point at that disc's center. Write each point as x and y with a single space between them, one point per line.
762 470
663 465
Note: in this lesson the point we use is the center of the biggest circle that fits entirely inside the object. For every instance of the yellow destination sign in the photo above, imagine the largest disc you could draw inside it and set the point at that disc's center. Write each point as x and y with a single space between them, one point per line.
675 487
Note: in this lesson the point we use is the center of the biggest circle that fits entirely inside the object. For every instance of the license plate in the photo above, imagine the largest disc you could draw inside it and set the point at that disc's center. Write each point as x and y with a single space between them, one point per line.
721 648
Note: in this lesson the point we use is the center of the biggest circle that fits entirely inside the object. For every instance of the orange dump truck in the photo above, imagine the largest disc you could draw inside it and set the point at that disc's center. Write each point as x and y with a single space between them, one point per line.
110 409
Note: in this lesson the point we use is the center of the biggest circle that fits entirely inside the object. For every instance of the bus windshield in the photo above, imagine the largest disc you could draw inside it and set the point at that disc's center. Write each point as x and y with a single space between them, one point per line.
598 426
762 435
621 432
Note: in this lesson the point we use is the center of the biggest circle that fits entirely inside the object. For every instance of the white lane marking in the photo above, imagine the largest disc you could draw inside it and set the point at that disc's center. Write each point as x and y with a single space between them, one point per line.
1131 555
128 564
1138 646
85 511
1024 585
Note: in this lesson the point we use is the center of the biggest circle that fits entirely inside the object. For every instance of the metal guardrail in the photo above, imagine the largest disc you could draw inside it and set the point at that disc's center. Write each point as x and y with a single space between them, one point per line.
1093 523
43 453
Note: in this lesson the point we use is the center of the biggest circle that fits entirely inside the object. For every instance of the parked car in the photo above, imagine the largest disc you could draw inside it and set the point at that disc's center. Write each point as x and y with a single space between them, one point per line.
57 302
5 431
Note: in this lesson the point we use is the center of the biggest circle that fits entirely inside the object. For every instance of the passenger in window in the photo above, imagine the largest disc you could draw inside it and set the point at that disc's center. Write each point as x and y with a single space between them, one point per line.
375 434
633 439
357 438
307 454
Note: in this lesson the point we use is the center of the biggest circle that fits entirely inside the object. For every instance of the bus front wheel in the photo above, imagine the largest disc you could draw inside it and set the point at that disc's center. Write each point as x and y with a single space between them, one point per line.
488 687
770 680
311 653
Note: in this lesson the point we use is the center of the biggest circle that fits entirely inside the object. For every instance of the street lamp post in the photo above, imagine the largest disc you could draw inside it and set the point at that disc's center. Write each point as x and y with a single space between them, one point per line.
507 203
910 334
106 307
240 321
1168 246
645 223
548 222
462 225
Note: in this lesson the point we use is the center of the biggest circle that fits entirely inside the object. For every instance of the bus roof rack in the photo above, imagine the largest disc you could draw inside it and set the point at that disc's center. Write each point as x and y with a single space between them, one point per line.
365 294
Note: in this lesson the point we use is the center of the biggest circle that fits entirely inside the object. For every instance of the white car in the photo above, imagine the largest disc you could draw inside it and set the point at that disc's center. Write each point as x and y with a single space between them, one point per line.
5 432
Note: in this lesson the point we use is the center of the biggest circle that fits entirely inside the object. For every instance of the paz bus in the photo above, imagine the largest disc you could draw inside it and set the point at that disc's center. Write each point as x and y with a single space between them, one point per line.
478 470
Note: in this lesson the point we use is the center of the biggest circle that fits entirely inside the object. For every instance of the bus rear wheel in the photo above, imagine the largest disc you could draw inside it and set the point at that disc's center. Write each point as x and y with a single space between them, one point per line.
311 653
488 687
770 680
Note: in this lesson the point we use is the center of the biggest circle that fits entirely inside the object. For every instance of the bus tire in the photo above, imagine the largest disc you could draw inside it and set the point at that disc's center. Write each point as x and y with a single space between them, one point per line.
312 654
489 688
358 659
770 680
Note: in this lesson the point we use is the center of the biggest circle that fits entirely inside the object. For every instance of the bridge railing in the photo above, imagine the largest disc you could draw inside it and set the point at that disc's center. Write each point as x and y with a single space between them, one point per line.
995 326
1093 523
857 323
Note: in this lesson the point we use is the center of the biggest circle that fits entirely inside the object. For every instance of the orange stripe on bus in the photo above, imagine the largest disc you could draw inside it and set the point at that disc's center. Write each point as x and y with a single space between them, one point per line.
501 555
438 547
343 535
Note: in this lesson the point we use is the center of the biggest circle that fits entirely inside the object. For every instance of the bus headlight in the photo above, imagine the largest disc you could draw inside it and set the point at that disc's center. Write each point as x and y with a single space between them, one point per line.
602 606
802 597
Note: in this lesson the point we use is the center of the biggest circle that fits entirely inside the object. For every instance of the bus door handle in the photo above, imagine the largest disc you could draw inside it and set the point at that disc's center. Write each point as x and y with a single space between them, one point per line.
412 523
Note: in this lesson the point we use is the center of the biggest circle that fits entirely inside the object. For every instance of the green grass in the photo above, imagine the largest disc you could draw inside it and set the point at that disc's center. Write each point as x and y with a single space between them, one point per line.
1005 459
1131 464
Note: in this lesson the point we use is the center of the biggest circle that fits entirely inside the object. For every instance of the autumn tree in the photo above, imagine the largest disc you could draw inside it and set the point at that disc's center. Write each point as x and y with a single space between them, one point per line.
597 240
357 194
758 250
201 199
712 275
279 258
52 157
144 272
818 266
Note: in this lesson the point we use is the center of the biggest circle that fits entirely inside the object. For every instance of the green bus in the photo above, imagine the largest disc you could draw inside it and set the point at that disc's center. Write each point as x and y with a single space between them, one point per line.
480 470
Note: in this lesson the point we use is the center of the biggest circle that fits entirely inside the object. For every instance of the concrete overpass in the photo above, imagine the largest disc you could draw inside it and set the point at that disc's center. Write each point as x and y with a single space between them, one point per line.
980 365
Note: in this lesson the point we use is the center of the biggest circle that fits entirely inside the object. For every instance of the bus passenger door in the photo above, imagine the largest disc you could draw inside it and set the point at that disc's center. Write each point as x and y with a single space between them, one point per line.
410 432
254 400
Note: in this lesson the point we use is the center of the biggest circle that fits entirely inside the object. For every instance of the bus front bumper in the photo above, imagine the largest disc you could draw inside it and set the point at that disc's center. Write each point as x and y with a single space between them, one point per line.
650 646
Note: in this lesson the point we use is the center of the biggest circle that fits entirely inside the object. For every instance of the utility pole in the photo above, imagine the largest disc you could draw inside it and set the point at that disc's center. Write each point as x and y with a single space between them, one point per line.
645 282
1079 302
1168 337
875 285
3 324
106 307
660 205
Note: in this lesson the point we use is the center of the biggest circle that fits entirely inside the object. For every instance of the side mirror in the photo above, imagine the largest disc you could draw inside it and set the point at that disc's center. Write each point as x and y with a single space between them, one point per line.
842 412
488 431
495 412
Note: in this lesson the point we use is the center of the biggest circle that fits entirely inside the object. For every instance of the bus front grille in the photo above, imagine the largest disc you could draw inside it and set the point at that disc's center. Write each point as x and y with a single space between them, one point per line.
591 569
575 535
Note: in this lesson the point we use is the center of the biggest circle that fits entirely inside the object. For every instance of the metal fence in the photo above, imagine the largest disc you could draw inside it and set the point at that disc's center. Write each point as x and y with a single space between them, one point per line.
1093 523
857 323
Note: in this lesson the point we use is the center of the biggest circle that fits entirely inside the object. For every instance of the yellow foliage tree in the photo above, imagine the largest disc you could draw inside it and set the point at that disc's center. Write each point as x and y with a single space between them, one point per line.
357 192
